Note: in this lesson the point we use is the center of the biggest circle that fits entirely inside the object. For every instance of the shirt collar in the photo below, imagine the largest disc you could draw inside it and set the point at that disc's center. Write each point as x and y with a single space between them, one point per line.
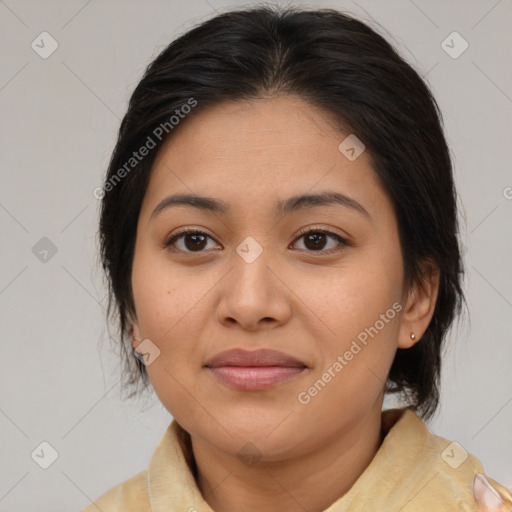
408 460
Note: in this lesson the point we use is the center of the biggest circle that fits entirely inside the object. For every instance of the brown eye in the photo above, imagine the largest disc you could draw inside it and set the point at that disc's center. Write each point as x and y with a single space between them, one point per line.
315 240
192 241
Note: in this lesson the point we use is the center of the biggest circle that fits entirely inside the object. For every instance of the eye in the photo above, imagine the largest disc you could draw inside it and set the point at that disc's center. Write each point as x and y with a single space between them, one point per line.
316 239
193 240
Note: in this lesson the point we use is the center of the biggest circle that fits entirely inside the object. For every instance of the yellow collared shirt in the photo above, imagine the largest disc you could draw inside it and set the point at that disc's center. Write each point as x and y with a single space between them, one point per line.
413 471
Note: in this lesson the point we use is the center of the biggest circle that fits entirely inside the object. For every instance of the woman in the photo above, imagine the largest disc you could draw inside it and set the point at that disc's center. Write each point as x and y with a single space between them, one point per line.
279 231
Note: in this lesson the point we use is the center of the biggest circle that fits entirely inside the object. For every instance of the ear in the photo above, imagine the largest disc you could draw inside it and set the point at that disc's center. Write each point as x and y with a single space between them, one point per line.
421 302
134 332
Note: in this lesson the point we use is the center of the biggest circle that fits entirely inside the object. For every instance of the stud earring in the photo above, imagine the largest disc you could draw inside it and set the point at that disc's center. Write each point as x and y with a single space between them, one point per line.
413 336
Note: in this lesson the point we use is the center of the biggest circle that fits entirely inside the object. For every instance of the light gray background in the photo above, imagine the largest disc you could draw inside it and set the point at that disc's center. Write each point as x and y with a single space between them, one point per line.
59 121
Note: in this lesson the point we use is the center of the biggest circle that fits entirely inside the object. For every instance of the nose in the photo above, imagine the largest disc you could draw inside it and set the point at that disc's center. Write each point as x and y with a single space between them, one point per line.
253 296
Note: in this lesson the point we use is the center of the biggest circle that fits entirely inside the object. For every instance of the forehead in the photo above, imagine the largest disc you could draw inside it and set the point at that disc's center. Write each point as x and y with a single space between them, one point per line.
261 150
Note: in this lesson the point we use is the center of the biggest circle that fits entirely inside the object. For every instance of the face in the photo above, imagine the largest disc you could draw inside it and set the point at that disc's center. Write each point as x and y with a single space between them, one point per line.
321 282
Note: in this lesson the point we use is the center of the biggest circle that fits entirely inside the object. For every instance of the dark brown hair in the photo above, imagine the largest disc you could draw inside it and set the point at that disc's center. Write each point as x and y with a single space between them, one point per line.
342 66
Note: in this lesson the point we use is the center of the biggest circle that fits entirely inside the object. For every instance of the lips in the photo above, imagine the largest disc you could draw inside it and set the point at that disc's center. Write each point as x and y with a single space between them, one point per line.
256 370
257 358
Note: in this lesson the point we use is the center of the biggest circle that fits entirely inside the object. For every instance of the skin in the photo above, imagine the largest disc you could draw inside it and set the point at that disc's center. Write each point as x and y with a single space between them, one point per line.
311 305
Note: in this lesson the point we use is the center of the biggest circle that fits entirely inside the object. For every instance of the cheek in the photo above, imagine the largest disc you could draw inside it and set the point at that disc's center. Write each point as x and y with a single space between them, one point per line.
169 310
360 308
172 308
349 298
163 295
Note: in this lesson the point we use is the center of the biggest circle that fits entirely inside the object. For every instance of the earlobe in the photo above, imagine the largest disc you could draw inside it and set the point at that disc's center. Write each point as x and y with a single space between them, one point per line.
408 343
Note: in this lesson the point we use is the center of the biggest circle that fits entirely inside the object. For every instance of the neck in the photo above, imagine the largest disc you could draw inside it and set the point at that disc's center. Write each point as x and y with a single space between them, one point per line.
312 481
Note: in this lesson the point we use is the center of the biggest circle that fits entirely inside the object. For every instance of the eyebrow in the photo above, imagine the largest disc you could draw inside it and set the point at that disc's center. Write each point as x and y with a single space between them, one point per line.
283 207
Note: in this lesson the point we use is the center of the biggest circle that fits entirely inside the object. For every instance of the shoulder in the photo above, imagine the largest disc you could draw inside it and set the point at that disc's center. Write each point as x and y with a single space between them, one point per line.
432 472
459 470
130 495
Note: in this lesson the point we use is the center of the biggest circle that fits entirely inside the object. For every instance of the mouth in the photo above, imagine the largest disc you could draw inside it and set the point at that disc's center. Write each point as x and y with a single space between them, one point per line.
256 370
255 377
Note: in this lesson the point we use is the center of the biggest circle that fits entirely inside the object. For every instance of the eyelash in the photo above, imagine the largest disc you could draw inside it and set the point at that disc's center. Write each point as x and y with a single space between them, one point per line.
342 241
